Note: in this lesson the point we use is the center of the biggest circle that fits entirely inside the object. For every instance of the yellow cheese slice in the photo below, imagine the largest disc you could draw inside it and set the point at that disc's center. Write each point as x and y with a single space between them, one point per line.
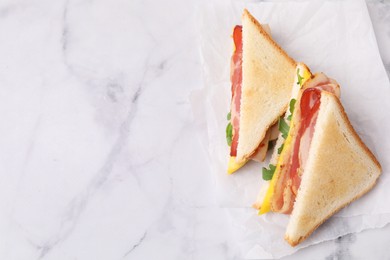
233 165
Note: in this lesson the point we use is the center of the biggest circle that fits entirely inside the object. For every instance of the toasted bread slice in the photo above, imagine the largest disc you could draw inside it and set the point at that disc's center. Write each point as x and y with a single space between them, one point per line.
267 80
339 169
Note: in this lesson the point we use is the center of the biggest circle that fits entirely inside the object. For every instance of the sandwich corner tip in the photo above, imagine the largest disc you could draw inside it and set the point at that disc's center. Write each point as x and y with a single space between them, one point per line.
290 241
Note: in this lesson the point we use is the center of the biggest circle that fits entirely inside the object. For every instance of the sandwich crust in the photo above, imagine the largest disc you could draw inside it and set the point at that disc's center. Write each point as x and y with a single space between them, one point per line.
294 242
346 171
353 132
247 15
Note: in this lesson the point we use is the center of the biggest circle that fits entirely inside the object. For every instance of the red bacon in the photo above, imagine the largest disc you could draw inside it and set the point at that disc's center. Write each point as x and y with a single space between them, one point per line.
290 174
236 78
287 187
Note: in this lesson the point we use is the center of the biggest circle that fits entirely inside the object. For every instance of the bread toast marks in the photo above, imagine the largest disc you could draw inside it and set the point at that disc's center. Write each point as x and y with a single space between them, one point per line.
340 169
268 77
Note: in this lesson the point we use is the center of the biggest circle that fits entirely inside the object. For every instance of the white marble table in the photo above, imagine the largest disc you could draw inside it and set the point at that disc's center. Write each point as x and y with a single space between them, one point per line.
99 156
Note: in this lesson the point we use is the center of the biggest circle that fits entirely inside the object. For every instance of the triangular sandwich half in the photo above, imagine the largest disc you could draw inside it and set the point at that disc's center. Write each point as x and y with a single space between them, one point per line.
323 166
339 170
262 76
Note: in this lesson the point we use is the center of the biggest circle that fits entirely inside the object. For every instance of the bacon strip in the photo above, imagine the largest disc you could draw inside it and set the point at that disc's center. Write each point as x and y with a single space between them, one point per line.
322 82
236 79
290 176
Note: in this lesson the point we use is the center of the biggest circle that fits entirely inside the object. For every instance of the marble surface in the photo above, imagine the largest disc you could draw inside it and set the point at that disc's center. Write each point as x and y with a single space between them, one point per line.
99 155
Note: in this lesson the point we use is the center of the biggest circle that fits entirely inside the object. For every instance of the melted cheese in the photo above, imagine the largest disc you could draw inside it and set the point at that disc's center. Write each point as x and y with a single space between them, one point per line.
233 165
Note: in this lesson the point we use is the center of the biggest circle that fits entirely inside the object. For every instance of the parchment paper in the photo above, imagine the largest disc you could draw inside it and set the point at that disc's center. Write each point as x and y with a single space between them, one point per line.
335 37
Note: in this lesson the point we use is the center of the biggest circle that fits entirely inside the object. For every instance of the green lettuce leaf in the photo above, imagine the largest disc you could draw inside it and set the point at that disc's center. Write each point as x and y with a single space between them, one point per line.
229 134
280 149
283 127
292 106
268 173
299 78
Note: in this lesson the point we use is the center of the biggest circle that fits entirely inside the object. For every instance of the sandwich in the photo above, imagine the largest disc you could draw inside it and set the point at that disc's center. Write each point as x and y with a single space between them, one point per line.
262 77
320 164
302 75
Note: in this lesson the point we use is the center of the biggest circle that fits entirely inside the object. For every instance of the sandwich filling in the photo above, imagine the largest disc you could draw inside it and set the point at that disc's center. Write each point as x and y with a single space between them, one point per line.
291 173
236 79
233 127
263 200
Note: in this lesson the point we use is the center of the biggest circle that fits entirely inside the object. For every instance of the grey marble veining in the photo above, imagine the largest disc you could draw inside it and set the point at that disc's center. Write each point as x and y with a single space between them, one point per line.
96 129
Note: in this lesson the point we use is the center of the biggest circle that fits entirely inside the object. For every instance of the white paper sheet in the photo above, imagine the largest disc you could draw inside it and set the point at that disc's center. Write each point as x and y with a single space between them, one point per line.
335 37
